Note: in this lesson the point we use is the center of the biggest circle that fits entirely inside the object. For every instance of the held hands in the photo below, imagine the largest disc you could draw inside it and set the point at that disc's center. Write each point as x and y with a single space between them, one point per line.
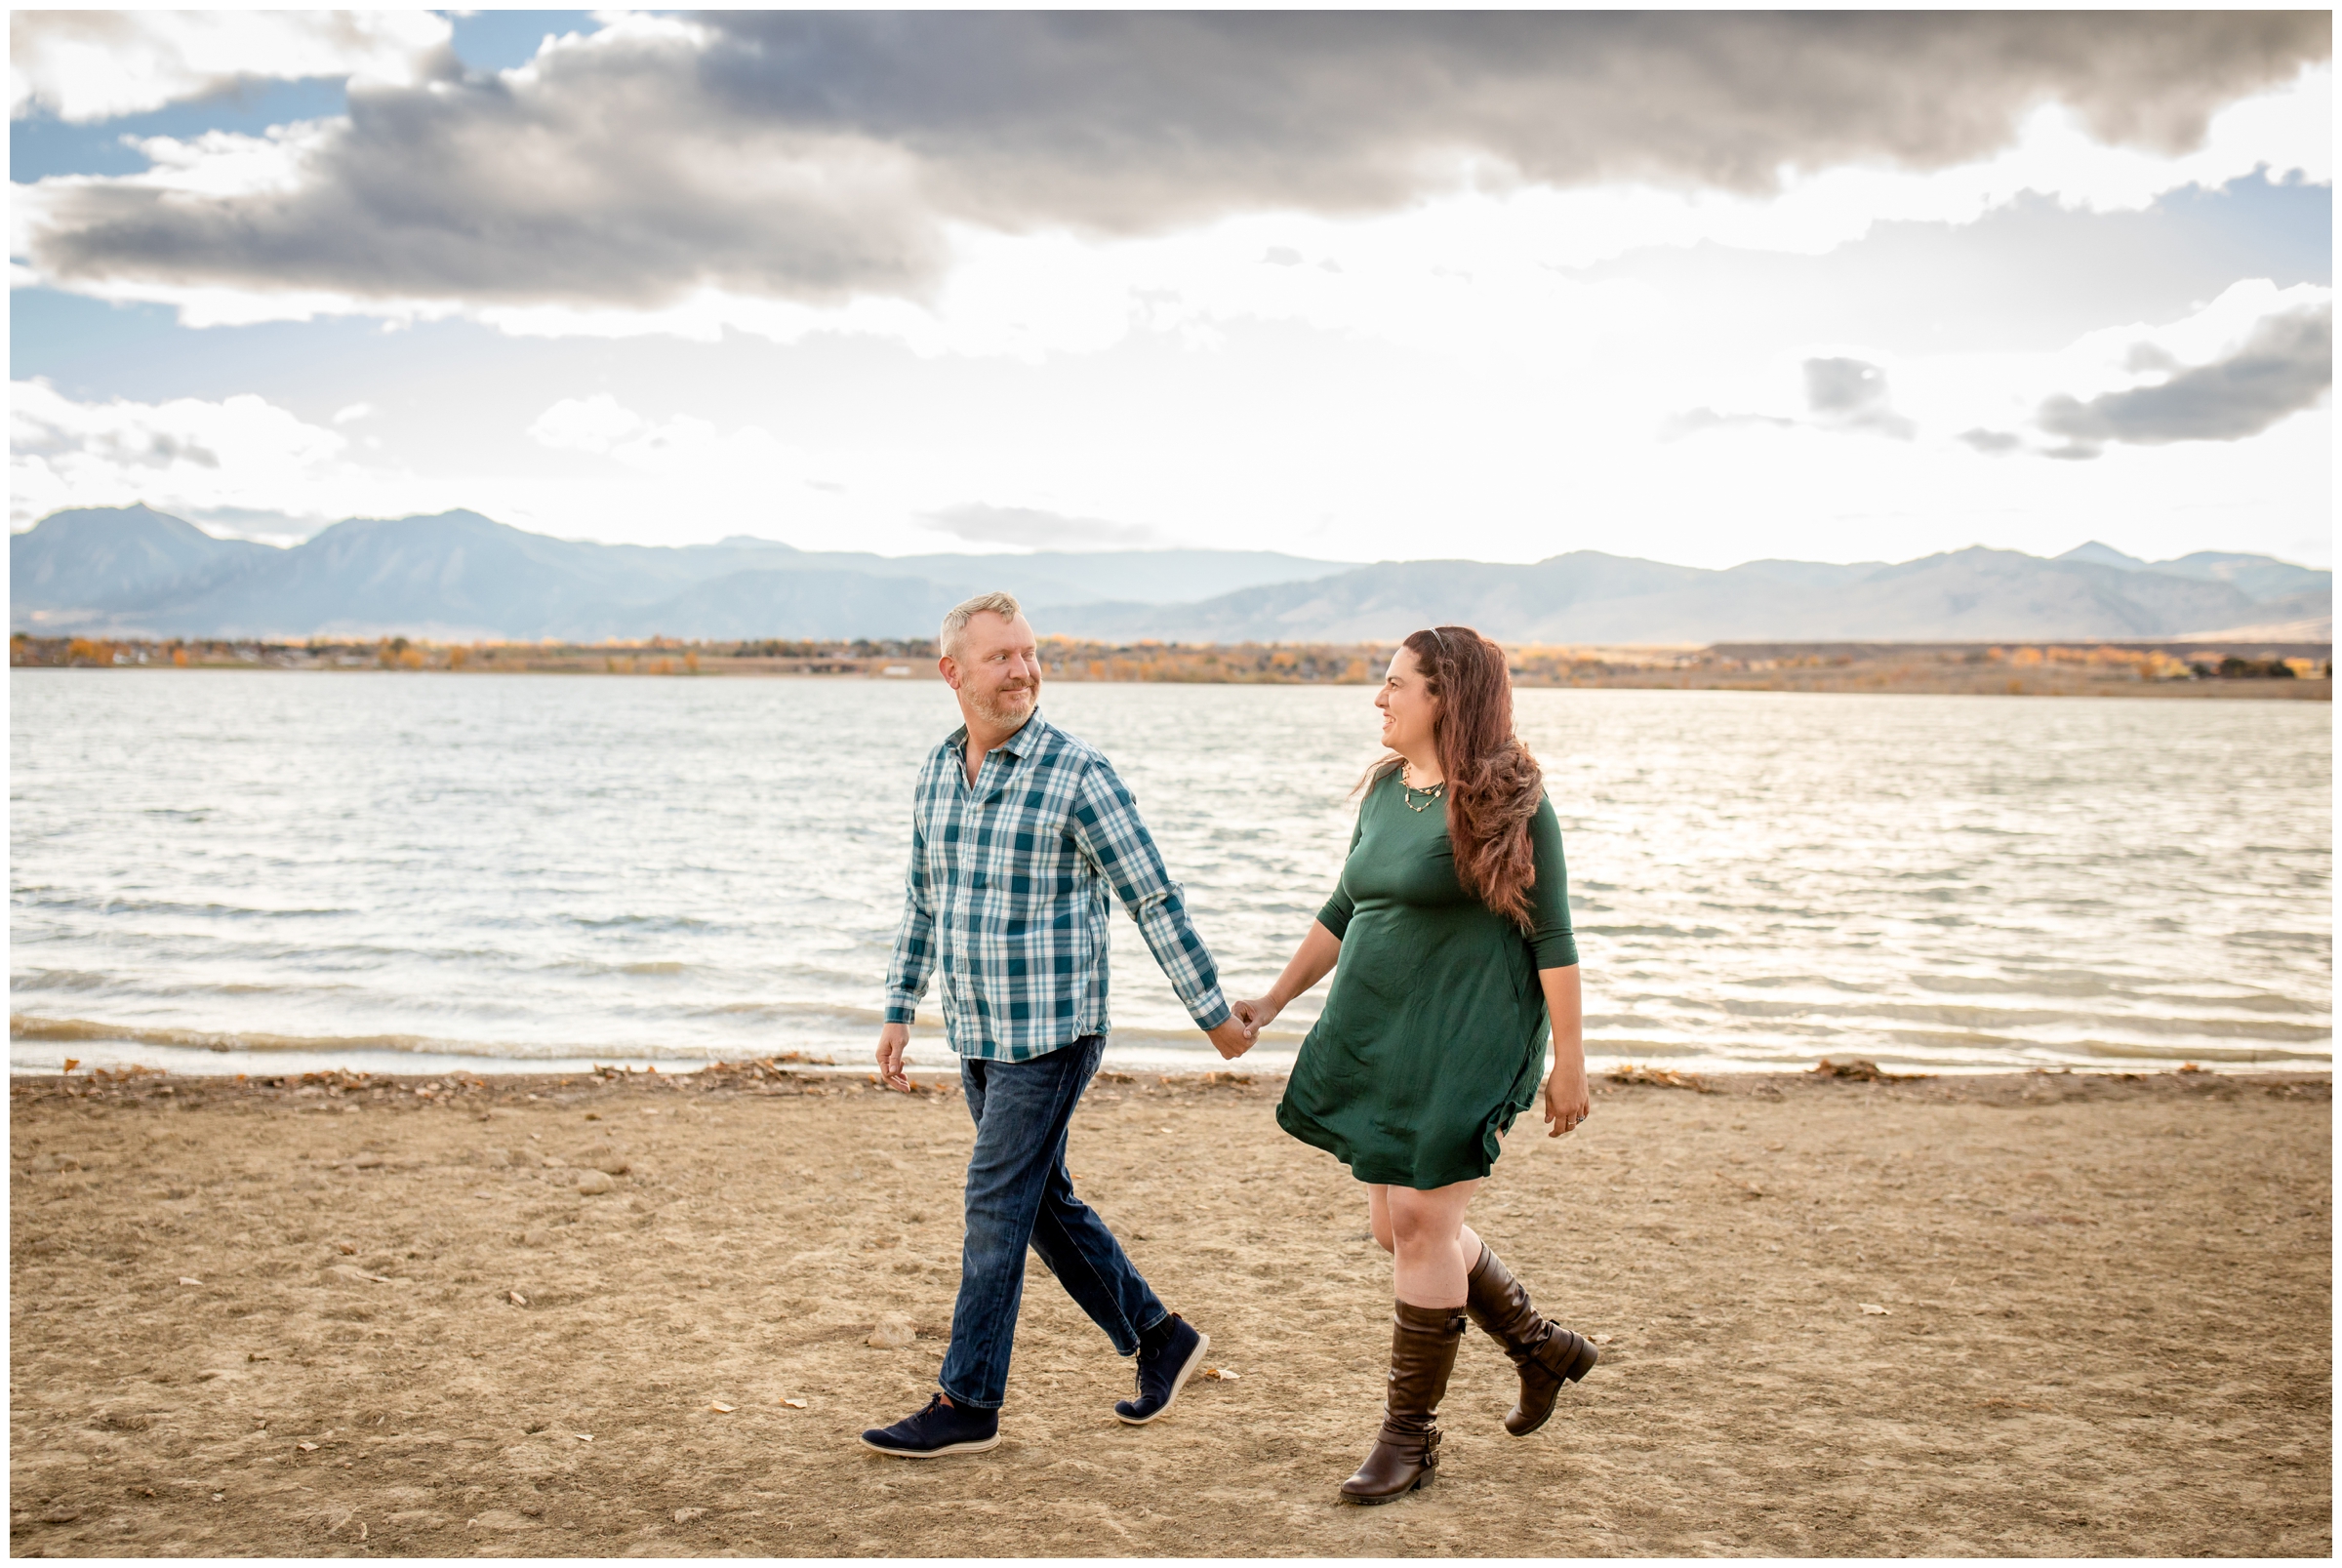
1233 1037
893 1041
1257 1014
1566 1102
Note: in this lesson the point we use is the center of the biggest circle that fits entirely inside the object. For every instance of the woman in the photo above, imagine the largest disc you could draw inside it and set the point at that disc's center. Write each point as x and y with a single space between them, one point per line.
1450 944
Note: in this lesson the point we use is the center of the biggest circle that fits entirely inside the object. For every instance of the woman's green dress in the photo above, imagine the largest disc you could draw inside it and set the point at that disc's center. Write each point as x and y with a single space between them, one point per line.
1432 1038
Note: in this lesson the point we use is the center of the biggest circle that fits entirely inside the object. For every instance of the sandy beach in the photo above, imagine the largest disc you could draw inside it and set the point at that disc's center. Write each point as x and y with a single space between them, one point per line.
2026 1314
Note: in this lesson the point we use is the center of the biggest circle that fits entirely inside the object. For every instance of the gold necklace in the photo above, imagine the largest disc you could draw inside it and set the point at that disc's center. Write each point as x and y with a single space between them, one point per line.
1408 792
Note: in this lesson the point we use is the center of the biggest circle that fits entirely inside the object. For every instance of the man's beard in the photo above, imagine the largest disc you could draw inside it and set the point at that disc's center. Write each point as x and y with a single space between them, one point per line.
995 713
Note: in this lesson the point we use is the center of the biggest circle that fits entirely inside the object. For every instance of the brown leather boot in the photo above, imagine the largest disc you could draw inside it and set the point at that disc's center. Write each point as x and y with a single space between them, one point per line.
1406 1451
1547 1354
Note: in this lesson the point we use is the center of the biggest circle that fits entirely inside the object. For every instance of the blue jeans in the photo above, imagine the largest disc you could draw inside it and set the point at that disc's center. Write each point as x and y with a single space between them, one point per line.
1019 1193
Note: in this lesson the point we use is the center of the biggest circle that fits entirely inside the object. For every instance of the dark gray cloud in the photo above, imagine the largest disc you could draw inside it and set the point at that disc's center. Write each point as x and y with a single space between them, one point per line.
1851 394
2286 364
813 154
1035 529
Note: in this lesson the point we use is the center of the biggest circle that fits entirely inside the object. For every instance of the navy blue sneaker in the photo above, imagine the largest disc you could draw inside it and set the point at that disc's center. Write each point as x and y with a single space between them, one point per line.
1169 1354
936 1430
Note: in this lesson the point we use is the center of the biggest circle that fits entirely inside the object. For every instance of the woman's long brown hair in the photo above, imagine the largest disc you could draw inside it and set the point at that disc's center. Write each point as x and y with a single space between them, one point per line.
1493 783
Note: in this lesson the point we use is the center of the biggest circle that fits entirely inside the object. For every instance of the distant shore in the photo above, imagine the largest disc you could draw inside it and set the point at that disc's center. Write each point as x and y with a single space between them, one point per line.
2221 669
2026 1315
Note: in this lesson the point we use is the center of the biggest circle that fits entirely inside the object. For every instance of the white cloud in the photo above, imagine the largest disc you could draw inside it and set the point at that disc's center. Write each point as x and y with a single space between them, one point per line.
355 413
593 423
240 462
87 66
682 448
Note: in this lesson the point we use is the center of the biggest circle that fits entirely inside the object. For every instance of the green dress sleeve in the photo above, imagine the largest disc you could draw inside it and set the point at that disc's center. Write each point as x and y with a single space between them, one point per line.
1550 938
1335 916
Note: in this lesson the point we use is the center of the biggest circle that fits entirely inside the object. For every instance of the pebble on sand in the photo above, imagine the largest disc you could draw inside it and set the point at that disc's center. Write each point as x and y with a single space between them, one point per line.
350 1274
893 1332
686 1515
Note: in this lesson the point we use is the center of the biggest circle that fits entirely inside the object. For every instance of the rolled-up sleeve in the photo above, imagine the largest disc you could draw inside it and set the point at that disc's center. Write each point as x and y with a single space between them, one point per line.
1110 835
1551 939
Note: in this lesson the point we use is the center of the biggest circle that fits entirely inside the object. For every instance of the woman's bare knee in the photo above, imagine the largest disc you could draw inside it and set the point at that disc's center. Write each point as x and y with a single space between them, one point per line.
1415 1227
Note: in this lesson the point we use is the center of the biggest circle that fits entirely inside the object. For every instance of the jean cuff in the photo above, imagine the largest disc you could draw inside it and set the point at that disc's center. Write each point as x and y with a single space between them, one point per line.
960 1400
1148 1329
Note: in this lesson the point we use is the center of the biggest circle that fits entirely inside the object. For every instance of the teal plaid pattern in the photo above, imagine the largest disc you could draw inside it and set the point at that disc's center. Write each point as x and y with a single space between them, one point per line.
1006 898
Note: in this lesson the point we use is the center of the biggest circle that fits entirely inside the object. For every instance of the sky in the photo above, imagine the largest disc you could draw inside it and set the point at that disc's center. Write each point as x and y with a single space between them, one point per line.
1357 286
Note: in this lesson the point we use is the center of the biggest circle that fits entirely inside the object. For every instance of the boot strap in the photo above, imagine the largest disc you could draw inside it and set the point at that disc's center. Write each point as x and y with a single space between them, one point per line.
1555 1350
1426 1442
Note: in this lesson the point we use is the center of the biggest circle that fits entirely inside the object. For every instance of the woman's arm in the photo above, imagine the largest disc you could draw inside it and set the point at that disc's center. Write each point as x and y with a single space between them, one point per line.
1566 1098
1311 962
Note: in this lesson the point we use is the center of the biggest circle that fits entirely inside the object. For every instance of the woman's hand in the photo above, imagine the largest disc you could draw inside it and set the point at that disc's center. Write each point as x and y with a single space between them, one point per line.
1567 1102
1257 1014
1314 959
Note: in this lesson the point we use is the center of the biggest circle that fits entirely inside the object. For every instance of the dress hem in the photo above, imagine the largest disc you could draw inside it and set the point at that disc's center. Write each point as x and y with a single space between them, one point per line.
1308 1130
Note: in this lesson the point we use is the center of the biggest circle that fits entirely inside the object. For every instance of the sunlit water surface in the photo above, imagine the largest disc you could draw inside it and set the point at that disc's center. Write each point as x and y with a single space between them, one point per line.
228 871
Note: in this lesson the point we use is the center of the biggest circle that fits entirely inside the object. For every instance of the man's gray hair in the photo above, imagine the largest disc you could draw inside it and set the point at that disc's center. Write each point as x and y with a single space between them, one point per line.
956 619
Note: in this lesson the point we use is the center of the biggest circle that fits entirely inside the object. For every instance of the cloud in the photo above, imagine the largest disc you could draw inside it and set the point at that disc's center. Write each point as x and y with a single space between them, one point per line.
593 423
1992 443
1035 529
2284 365
685 454
1851 394
189 456
1840 394
822 156
86 66
1701 421
355 413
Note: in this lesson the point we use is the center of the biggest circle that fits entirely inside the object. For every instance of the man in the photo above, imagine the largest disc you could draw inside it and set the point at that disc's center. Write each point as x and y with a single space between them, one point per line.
1019 833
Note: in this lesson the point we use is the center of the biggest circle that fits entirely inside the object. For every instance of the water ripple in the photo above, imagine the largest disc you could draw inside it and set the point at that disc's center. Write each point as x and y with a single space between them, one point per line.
535 869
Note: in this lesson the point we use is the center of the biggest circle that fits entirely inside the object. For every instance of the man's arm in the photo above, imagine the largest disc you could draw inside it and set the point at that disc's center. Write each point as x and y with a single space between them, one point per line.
913 956
1107 832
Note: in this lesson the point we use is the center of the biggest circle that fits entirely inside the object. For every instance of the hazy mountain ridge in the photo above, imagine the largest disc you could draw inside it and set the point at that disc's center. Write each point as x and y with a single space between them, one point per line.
460 575
1974 594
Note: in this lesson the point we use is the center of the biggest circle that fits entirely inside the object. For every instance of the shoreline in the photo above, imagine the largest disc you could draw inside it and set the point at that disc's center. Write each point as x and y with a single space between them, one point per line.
104 1055
2031 1313
2202 667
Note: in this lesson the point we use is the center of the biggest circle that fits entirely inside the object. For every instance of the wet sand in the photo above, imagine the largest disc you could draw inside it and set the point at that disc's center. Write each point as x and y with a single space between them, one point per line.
301 1322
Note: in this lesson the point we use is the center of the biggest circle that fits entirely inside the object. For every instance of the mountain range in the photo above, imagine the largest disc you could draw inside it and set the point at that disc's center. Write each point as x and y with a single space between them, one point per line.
458 577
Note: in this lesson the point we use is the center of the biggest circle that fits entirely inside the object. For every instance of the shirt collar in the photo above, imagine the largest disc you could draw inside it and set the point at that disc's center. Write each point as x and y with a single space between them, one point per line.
1031 734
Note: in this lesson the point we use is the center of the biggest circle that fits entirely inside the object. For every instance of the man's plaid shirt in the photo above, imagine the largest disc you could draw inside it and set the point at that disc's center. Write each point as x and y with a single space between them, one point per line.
1006 898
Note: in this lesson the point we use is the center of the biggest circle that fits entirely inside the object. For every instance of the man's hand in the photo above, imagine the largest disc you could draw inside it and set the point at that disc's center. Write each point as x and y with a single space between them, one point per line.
893 1041
1232 1039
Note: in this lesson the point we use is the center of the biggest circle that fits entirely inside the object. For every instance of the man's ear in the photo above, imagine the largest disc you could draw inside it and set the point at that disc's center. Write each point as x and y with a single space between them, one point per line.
949 668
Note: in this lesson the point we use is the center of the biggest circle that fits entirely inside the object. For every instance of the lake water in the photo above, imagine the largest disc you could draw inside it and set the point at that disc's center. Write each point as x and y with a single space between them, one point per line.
260 871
